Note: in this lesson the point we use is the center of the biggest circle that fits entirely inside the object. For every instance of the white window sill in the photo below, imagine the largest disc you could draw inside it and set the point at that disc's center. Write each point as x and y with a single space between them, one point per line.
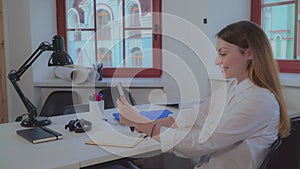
290 79
106 82
286 79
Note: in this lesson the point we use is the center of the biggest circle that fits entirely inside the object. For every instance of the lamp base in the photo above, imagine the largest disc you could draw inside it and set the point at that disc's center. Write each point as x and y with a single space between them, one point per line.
38 121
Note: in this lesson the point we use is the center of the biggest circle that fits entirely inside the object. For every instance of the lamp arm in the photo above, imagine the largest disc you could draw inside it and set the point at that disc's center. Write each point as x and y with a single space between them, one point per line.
14 76
43 47
31 109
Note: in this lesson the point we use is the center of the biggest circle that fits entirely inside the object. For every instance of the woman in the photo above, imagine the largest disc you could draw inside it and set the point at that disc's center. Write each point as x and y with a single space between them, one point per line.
254 112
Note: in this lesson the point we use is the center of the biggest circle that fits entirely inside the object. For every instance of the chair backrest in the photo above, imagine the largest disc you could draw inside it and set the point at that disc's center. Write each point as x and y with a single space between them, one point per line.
57 101
273 149
110 96
288 153
76 108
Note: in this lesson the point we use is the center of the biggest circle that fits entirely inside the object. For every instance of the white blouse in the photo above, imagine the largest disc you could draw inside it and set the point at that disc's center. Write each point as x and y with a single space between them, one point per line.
236 138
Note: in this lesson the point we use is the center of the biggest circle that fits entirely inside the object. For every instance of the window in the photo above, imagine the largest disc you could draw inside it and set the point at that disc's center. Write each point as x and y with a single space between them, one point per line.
124 35
136 55
279 19
103 25
105 57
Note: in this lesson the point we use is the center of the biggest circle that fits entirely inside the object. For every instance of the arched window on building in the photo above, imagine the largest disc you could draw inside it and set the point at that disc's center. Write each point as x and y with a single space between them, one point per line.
136 57
79 56
135 21
72 18
278 47
103 18
104 56
73 22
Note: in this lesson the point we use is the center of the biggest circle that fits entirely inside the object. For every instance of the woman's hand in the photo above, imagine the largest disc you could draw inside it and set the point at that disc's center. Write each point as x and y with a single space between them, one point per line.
128 115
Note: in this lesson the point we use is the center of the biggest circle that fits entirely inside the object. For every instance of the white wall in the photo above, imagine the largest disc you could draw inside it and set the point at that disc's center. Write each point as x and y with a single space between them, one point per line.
43 28
17 48
26 24
183 71
292 95
184 39
221 13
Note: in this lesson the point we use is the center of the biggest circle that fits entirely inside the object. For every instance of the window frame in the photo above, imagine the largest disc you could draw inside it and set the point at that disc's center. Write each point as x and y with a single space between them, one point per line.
285 66
155 71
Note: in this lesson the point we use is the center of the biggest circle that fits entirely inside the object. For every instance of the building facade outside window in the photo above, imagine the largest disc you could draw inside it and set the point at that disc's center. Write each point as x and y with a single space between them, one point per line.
280 20
110 35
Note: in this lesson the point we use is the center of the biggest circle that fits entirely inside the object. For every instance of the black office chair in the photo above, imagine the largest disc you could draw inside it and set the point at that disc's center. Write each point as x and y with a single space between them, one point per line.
110 96
273 149
76 108
287 156
57 101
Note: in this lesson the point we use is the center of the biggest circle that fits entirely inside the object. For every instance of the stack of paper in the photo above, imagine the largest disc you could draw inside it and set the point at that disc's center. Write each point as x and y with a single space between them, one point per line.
77 74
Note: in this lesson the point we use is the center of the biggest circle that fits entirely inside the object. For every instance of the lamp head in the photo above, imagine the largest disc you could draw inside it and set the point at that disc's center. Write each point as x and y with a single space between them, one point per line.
59 57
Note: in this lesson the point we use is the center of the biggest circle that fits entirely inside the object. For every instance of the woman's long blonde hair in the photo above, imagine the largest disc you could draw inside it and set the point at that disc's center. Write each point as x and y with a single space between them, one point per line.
263 69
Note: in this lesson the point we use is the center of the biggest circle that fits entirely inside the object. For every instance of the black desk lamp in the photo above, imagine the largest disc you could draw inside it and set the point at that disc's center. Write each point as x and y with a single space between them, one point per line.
59 57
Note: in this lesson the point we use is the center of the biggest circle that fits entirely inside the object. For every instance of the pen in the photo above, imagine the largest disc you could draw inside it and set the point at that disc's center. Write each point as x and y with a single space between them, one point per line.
143 136
100 97
132 128
92 98
96 96
105 119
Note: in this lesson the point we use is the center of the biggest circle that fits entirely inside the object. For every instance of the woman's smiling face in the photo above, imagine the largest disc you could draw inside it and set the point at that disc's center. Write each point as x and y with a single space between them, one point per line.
232 60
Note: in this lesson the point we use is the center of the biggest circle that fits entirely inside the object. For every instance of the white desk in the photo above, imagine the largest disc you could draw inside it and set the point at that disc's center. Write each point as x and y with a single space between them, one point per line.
69 153
17 153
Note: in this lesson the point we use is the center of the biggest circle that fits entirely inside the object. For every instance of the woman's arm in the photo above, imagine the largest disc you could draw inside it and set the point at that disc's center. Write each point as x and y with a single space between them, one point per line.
152 128
131 117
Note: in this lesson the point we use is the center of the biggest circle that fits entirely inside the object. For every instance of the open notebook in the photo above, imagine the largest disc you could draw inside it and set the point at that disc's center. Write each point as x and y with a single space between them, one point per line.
113 138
